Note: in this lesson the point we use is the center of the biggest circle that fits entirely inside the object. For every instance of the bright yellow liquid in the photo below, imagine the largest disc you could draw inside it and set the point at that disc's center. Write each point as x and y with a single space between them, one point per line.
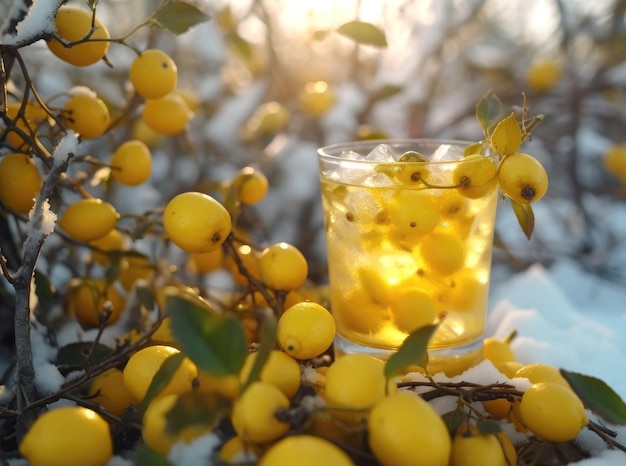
389 275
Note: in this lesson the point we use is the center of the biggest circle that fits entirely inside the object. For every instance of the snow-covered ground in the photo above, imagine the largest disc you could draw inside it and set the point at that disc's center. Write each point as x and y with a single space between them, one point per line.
569 319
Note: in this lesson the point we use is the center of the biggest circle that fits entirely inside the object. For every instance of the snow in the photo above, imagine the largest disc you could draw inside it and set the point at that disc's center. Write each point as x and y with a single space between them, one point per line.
39 20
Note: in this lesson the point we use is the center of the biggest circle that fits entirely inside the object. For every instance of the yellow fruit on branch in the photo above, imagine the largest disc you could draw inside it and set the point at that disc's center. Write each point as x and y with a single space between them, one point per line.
20 182
89 219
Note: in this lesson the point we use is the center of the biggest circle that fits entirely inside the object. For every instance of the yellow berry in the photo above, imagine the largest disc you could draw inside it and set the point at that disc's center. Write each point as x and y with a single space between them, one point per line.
89 219
444 253
20 182
74 24
413 213
552 412
154 429
236 451
305 450
134 268
112 241
268 119
254 413
280 370
87 115
396 439
305 330
470 447
615 161
250 259
52 439
475 176
167 115
131 163
196 222
251 185
316 98
355 381
206 262
153 74
497 408
497 350
539 372
412 308
111 392
228 386
87 302
523 178
283 267
542 75
145 363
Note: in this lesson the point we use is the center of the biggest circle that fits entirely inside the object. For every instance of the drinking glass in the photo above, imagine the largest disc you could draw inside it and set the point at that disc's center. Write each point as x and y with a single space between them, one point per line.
409 232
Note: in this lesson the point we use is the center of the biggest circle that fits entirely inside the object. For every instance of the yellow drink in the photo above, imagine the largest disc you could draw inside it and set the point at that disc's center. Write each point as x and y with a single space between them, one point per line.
409 244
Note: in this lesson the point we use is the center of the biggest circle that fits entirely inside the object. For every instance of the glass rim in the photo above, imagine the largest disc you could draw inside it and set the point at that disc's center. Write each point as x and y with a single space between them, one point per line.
333 151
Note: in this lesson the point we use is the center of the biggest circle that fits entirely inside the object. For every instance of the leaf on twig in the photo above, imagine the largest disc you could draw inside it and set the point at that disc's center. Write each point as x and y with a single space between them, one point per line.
525 217
73 355
162 377
216 343
598 396
507 136
268 343
488 111
412 352
363 33
178 17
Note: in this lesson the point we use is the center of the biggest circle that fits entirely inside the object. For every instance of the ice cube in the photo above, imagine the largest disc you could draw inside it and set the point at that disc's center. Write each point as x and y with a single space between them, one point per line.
351 155
381 153
447 152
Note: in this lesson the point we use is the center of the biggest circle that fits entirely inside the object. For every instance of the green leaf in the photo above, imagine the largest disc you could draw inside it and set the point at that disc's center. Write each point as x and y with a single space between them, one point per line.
321 35
507 136
529 125
454 420
476 148
388 91
241 45
488 111
412 352
215 343
178 17
195 408
146 456
525 217
268 343
488 426
91 3
162 377
73 356
363 33
598 397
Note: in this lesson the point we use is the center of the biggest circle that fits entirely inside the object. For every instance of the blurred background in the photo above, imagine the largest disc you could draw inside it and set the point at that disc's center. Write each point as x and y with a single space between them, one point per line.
271 80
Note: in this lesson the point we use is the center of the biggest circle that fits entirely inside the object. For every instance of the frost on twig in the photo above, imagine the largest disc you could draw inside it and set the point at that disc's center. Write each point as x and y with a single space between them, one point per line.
40 225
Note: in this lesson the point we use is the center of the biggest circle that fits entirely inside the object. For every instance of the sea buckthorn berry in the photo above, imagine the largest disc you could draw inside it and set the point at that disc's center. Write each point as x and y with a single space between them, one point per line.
475 176
553 412
542 75
154 430
316 98
355 381
89 219
112 241
444 253
283 267
109 391
497 350
523 178
397 440
87 302
412 308
254 413
168 115
470 447
280 369
153 74
87 115
413 213
52 439
20 182
614 160
145 363
305 450
196 222
74 24
251 185
131 163
539 372
305 330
